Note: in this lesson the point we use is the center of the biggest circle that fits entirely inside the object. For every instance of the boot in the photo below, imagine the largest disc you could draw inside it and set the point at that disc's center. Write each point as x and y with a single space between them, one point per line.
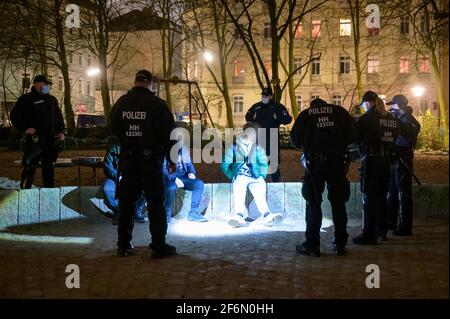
305 249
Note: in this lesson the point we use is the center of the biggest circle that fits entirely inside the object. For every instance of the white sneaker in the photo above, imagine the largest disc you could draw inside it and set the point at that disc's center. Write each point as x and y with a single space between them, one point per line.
271 219
237 220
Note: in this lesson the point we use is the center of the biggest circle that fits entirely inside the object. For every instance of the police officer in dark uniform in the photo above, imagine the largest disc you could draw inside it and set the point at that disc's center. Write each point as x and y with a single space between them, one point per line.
269 114
38 116
400 184
324 131
377 130
143 123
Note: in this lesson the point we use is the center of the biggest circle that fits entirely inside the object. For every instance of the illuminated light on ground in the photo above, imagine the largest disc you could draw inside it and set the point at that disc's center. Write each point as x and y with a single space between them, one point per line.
214 228
47 239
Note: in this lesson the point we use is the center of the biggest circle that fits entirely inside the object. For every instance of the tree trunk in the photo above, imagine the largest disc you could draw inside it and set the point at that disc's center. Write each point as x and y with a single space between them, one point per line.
291 84
356 42
440 96
104 85
68 110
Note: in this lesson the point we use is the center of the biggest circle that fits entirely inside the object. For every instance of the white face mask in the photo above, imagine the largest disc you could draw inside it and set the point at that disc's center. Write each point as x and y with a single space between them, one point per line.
366 106
265 99
395 107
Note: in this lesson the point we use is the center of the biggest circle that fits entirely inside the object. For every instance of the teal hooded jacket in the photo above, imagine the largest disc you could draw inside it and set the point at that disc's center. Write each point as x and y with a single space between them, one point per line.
235 158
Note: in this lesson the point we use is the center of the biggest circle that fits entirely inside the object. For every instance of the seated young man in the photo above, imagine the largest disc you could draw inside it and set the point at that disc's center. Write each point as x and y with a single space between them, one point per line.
246 165
184 177
110 167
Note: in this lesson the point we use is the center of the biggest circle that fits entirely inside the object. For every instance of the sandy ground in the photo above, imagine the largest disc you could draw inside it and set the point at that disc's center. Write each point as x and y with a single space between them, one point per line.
429 169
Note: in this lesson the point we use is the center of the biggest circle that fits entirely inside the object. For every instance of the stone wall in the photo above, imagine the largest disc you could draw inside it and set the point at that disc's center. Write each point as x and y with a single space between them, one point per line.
53 204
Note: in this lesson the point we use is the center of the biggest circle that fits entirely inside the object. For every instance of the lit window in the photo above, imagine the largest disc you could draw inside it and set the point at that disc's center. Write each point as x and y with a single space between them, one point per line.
373 64
315 28
297 66
344 65
315 66
424 65
299 31
196 70
345 27
337 100
267 31
239 68
404 64
268 67
238 104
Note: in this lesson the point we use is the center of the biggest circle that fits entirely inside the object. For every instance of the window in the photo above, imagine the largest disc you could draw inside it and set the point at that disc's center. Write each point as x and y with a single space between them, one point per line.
404 64
268 67
313 97
238 103
345 27
60 83
50 78
424 65
298 31
237 34
373 64
315 28
404 25
238 68
80 86
337 100
297 66
299 101
88 60
88 88
80 59
196 70
423 24
71 56
267 31
344 65
315 66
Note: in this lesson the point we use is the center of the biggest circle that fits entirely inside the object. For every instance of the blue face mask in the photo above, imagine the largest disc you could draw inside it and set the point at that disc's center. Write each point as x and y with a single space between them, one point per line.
45 90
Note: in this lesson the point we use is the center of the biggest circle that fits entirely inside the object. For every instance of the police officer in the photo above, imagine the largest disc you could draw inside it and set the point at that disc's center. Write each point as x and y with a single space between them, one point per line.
324 131
377 130
269 114
38 116
400 184
142 122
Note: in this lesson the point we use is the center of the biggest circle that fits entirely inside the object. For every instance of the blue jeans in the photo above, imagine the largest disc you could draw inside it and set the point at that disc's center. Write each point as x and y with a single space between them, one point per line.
109 190
194 185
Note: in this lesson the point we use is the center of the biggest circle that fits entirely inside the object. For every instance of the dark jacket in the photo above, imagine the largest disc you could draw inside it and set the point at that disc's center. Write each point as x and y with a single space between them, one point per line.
375 130
323 128
39 111
184 165
268 116
409 129
142 121
111 162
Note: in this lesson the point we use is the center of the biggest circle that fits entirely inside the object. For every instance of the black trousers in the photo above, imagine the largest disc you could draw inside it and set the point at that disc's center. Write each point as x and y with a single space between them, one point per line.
141 175
374 177
331 171
399 199
45 152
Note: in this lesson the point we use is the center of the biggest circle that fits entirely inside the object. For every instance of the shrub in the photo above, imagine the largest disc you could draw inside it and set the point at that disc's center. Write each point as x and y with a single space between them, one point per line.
431 136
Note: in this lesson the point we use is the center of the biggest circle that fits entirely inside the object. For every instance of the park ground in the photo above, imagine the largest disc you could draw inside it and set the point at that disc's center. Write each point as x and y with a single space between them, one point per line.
242 263
429 169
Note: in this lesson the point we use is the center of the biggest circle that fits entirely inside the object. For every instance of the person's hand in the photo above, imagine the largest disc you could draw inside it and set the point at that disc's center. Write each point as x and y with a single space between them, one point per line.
60 137
179 183
30 131
191 176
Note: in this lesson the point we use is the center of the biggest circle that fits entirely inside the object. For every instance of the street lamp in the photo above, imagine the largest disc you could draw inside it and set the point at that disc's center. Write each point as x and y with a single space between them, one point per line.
418 90
93 71
208 56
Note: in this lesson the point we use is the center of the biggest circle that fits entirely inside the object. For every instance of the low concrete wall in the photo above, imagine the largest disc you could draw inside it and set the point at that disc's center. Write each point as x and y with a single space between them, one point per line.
53 204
